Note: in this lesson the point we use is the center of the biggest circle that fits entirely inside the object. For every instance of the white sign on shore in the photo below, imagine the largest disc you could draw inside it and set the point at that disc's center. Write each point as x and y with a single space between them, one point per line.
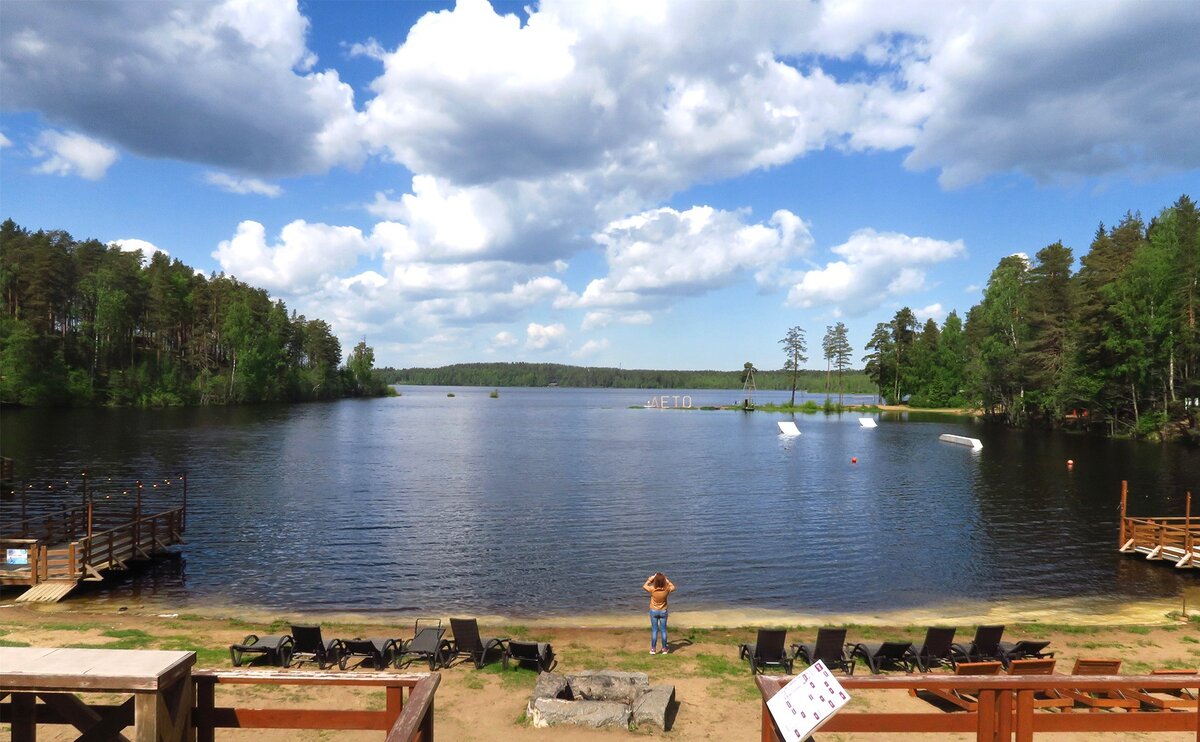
804 705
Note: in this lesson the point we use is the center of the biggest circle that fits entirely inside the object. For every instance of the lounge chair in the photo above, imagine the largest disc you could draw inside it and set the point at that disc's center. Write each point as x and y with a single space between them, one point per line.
308 645
1097 700
983 648
1165 699
768 649
1042 699
1025 649
830 648
468 641
275 649
935 650
428 643
378 652
541 654
885 656
963 698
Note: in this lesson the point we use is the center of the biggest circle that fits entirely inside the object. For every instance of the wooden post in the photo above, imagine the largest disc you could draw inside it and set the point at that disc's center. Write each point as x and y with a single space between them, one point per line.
137 517
87 553
183 518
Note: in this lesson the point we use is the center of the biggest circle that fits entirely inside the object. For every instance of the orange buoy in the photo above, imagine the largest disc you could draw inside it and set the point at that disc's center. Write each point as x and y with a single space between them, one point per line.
853 459
1070 463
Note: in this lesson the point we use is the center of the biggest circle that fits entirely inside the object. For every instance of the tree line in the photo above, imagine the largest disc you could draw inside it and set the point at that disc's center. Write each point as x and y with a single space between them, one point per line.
546 374
1113 347
84 323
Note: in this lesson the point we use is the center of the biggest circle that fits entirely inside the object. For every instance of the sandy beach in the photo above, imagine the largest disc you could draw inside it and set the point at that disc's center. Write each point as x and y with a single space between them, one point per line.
717 697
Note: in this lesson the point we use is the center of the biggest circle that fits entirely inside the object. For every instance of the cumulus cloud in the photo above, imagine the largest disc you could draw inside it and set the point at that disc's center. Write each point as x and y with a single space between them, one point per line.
133 245
934 312
224 83
544 337
666 252
4 141
504 339
591 348
604 318
875 266
243 186
70 153
301 261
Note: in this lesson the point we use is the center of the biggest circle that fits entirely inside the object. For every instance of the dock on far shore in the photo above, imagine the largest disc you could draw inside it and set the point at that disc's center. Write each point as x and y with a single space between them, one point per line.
60 538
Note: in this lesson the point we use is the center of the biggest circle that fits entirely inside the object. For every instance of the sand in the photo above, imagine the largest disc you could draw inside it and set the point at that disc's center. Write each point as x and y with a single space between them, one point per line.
718 700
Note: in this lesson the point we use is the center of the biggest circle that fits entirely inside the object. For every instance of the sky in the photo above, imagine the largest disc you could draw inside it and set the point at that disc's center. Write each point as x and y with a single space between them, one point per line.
646 184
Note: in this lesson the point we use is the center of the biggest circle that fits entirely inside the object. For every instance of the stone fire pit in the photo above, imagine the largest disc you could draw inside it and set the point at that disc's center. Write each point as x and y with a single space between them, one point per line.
600 698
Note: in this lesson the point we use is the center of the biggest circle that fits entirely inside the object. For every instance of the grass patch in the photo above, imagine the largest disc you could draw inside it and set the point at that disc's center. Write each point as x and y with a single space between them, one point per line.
126 634
1139 630
1062 628
1190 640
474 682
72 626
514 678
515 632
13 643
718 665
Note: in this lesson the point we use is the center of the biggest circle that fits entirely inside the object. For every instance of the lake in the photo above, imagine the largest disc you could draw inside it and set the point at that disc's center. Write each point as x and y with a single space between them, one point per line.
553 502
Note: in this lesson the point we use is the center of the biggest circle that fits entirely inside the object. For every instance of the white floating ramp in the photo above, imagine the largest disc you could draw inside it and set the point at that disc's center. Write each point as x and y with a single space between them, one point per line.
787 427
962 440
867 422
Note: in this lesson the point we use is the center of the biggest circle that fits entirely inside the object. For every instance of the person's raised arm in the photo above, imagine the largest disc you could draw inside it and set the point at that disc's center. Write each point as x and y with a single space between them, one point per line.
670 586
649 584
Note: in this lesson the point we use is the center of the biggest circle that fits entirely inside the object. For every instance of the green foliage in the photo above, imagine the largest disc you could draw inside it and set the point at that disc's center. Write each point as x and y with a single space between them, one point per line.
83 324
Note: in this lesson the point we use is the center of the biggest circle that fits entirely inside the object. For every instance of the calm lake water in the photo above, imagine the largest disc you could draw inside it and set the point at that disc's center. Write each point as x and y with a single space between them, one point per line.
560 501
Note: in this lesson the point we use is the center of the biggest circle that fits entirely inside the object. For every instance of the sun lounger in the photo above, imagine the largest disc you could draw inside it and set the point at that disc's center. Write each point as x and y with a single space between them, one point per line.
274 649
308 645
468 641
964 698
1165 699
378 652
830 648
881 656
768 650
1025 649
1041 699
935 650
983 648
428 643
540 654
1097 700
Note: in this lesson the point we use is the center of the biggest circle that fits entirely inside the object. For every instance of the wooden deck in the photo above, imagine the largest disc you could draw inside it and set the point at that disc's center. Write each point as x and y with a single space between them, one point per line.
1174 540
54 551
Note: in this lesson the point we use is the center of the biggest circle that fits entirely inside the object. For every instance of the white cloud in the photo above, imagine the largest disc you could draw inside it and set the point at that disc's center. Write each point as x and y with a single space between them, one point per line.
604 317
972 288
305 257
133 245
544 337
934 312
875 266
504 339
227 83
591 348
4 141
70 153
665 252
243 186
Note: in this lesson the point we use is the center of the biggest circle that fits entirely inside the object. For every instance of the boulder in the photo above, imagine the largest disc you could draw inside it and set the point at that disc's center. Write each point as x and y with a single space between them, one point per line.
550 685
608 685
547 712
655 708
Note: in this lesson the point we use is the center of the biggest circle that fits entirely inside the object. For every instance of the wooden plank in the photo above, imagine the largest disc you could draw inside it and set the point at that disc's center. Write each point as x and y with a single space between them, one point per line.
294 718
93 669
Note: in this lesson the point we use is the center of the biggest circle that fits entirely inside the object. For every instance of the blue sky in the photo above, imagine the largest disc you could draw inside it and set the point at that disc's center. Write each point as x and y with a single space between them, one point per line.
646 184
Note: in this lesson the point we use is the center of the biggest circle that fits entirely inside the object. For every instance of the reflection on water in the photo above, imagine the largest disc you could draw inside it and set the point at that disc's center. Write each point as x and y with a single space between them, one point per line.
561 501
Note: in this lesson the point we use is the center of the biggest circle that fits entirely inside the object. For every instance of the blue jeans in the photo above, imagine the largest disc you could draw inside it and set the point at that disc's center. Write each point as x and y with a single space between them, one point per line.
658 625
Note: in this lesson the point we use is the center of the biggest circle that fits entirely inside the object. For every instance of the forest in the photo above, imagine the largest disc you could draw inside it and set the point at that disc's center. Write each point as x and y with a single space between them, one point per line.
545 374
84 323
1112 347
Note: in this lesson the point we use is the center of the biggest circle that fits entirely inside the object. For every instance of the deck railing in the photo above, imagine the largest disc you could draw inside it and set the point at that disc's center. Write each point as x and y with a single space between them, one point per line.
410 721
1173 539
1005 709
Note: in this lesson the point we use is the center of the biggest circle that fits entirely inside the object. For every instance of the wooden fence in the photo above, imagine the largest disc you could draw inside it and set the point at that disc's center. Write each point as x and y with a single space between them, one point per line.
1173 539
1006 706
402 721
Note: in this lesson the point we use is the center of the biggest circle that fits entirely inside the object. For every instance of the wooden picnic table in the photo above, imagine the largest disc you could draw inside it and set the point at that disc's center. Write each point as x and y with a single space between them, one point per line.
159 681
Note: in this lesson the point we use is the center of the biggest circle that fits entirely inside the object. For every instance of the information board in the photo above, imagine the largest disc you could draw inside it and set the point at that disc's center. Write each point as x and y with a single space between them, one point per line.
804 705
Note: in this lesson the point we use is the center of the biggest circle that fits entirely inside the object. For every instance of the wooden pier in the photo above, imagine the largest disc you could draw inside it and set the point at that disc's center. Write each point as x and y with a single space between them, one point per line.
1173 540
59 546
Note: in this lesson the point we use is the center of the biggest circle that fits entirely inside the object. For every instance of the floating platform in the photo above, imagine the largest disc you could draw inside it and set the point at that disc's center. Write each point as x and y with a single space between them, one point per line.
788 428
1172 540
962 440
867 422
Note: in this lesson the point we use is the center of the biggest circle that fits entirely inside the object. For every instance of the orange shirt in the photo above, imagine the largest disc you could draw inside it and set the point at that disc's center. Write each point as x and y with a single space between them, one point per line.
658 598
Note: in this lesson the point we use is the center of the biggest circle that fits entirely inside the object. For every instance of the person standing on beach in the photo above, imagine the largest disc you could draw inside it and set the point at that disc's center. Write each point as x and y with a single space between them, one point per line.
659 588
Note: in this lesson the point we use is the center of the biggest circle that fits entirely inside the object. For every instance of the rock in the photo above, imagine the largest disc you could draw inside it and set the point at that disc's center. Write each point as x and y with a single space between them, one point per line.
655 708
550 685
595 714
608 685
